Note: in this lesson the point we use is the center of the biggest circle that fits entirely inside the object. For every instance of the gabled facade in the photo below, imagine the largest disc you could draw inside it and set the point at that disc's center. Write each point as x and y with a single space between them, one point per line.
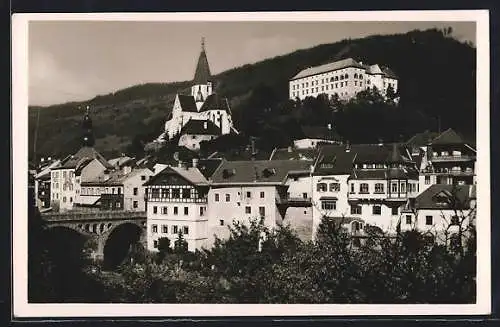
448 160
177 203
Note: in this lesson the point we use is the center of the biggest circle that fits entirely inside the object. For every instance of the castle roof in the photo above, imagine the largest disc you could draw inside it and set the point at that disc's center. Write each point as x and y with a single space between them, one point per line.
345 63
187 103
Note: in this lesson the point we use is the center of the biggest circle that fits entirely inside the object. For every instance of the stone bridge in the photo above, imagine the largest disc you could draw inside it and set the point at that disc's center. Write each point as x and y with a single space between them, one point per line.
99 226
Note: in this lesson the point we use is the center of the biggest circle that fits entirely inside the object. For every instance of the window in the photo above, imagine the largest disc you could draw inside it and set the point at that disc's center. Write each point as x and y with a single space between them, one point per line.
186 211
136 190
185 230
164 192
249 195
143 178
221 222
262 211
216 197
334 187
394 188
248 209
113 190
155 244
155 193
176 210
321 187
304 195
228 197
262 194
165 210
379 188
408 219
427 180
356 210
403 187
363 188
155 209
355 83
118 205
176 193
428 220
135 204
119 190
329 205
377 210
186 193
394 211
455 220
175 229
352 188
164 229
154 228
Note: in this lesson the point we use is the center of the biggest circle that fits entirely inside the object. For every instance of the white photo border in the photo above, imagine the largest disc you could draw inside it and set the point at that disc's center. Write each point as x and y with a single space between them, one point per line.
23 309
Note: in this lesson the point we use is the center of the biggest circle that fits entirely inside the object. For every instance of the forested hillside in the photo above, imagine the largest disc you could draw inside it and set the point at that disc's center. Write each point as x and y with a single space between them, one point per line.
437 82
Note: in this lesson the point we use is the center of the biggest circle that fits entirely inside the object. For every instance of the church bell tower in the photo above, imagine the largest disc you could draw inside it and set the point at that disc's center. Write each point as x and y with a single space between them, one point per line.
202 82
88 135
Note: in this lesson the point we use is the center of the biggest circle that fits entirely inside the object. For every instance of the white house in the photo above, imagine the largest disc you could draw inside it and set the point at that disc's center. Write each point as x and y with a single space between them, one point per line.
441 211
344 78
177 203
244 190
367 184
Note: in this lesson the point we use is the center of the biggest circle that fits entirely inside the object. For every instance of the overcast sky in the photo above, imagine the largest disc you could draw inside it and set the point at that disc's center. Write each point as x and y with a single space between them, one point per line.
77 60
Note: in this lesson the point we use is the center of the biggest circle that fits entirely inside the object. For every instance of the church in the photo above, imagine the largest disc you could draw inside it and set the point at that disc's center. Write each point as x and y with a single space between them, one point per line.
202 115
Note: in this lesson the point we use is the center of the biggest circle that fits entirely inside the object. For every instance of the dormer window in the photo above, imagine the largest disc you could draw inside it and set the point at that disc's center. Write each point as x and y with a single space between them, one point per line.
268 172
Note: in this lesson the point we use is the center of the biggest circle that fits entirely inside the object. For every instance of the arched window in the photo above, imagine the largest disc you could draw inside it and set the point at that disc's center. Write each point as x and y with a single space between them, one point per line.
346 76
355 75
360 76
331 79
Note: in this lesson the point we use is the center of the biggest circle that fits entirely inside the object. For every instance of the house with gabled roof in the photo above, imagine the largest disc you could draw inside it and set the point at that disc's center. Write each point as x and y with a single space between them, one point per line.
449 159
369 183
442 211
177 199
202 104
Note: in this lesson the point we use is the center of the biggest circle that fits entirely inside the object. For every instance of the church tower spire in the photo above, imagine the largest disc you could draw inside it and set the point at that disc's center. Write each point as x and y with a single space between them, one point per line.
88 136
202 81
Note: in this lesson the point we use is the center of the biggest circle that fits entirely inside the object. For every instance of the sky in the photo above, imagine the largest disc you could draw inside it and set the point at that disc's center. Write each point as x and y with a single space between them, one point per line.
77 60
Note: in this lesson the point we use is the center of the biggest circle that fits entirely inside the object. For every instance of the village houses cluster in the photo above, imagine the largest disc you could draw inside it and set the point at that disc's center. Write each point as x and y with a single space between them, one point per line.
362 186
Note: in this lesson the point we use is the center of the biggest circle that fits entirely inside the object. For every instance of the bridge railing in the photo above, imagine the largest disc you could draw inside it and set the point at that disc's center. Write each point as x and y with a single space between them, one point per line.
98 215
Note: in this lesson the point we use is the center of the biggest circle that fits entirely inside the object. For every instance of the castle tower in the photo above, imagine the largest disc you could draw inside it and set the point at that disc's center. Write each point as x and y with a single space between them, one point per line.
202 82
88 136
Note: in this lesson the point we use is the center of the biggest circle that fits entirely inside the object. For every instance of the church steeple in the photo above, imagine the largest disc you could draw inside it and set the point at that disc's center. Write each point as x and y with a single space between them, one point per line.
88 136
202 74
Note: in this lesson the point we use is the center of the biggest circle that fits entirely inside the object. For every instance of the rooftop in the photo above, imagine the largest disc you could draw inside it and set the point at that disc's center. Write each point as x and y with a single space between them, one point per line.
445 196
200 127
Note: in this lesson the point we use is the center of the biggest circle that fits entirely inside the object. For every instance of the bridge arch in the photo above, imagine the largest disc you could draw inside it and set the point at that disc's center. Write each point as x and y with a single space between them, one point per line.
119 241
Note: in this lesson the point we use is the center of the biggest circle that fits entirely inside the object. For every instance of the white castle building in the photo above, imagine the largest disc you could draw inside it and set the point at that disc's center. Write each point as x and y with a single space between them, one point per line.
202 115
345 78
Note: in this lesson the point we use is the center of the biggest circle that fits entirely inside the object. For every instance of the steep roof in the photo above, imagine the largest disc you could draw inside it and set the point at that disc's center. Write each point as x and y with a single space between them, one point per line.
215 102
389 73
293 154
422 139
83 155
208 166
202 73
439 196
448 137
170 175
187 103
271 172
200 127
344 63
119 161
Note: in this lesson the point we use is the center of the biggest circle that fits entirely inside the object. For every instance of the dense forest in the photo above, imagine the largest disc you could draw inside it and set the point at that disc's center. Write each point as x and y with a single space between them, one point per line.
436 90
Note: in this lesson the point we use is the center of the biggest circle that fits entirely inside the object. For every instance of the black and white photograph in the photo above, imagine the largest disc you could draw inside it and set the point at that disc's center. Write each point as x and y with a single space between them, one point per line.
283 163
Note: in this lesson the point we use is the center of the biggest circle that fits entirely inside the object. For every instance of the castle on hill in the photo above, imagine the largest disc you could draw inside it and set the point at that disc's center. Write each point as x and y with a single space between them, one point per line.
202 115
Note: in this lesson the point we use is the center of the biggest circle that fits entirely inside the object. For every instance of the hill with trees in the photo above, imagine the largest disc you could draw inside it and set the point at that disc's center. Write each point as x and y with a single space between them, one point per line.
437 89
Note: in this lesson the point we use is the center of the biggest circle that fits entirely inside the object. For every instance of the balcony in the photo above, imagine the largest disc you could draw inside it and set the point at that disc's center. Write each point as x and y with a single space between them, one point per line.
294 201
176 200
452 158
453 172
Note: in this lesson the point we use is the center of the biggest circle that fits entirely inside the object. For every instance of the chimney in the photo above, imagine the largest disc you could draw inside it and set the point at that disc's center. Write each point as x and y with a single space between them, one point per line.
290 148
179 164
329 126
126 169
195 162
347 146
205 125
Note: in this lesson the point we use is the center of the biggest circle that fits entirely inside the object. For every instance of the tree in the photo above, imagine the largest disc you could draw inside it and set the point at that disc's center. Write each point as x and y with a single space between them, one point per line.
164 248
